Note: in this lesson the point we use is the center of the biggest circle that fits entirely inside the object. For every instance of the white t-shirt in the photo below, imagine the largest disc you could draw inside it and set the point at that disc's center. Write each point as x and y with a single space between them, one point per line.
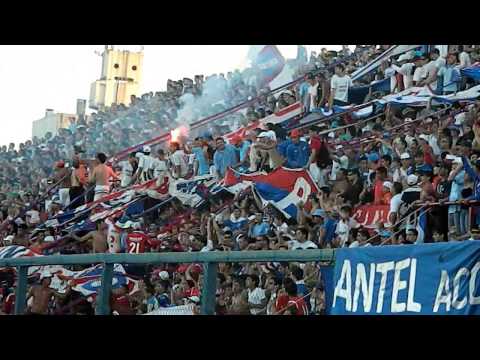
400 175
343 230
440 62
271 135
430 69
341 86
464 60
296 245
34 216
282 228
113 237
335 169
409 140
179 158
255 297
145 162
344 162
420 73
159 167
127 171
313 92
432 141
406 71
395 203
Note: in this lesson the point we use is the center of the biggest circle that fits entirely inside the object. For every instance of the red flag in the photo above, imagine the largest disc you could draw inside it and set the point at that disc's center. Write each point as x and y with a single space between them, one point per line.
230 179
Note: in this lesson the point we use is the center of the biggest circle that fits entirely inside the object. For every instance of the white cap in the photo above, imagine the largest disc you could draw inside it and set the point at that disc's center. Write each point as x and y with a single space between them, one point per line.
403 57
412 179
147 149
45 274
19 221
136 226
49 238
389 72
460 119
423 137
163 275
126 225
9 239
339 147
271 134
405 156
262 135
194 299
457 160
388 185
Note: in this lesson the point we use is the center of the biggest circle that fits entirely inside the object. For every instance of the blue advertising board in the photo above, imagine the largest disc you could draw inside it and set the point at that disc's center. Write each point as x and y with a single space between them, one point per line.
424 279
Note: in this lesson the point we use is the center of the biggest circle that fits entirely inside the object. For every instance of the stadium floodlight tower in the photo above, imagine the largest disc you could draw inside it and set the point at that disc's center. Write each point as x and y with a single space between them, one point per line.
120 78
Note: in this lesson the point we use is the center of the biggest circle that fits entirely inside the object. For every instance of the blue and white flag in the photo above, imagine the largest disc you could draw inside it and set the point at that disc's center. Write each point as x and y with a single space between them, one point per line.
270 62
472 72
192 192
421 226
92 287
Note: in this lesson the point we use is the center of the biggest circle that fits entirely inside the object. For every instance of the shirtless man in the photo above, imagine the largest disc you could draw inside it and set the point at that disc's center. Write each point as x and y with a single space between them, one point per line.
41 295
62 173
239 301
97 239
100 177
78 182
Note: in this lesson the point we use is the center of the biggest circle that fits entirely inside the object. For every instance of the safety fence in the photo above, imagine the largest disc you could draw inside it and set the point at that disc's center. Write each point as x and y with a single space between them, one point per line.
209 260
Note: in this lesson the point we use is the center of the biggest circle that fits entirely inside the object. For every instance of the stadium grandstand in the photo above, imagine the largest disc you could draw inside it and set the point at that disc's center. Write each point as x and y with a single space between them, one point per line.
371 154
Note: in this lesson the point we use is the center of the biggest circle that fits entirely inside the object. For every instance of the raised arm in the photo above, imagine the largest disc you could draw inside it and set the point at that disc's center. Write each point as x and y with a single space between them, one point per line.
468 169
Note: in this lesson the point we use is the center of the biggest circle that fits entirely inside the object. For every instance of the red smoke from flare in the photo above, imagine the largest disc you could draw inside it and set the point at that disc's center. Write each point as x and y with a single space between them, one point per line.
179 135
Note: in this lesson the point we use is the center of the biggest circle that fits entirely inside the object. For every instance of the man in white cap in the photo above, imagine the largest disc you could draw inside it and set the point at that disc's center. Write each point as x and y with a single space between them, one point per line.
409 196
145 162
400 175
406 69
387 192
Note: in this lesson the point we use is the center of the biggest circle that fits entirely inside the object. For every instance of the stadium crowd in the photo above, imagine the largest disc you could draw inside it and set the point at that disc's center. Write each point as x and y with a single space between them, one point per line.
390 160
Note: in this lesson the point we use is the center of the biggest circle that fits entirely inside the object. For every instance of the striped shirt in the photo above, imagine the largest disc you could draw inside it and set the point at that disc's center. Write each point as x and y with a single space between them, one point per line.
255 297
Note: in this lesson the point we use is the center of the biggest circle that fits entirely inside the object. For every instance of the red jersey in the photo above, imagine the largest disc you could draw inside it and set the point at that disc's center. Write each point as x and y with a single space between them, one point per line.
136 242
281 303
121 304
192 292
299 303
427 155
9 304
316 143
378 192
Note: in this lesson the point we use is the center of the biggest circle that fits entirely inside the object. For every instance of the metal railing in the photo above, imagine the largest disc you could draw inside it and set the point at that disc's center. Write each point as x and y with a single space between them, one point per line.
209 260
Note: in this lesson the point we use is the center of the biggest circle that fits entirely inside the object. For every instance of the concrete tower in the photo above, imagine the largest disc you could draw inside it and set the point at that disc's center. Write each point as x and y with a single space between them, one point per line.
120 78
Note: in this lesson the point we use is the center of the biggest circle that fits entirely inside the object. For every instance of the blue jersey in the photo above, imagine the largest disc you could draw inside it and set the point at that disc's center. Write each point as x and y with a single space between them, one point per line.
330 226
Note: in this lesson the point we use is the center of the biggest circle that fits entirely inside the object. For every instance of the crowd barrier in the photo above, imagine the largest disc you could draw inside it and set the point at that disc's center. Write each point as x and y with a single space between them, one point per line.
209 260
